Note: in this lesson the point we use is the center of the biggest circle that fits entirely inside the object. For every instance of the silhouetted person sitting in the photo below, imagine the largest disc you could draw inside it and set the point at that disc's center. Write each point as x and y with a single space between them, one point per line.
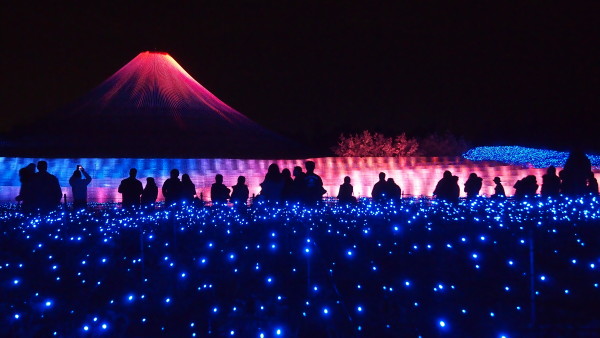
79 182
380 191
592 184
272 186
188 189
473 185
46 189
287 193
298 191
131 189
313 184
172 188
26 192
498 189
219 193
346 193
150 192
550 183
575 174
240 193
447 188
394 193
526 187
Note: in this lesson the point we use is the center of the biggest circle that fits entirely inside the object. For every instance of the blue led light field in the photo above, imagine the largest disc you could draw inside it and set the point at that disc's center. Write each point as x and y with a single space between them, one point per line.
418 268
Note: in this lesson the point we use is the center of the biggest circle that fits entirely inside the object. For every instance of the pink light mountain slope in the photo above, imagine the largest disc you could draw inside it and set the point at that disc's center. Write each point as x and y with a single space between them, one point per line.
149 108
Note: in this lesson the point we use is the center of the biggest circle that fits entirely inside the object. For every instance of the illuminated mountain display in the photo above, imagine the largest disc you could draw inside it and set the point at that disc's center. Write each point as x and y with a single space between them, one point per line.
152 108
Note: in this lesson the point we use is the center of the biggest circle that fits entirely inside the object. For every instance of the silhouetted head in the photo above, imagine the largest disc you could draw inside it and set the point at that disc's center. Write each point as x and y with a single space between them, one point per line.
42 166
241 180
310 166
219 178
286 173
391 180
347 180
150 181
382 176
551 170
473 176
447 174
186 178
531 179
132 172
30 168
297 170
273 169
174 173
77 174
497 180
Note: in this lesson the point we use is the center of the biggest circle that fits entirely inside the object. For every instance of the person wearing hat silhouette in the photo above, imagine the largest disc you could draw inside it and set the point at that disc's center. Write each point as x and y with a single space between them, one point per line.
498 189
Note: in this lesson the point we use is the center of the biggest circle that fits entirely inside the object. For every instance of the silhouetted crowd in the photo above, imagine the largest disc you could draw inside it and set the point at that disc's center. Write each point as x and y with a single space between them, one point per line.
41 190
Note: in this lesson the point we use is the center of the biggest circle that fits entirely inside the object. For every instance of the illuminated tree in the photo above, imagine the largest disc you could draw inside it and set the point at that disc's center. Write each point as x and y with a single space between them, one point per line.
368 144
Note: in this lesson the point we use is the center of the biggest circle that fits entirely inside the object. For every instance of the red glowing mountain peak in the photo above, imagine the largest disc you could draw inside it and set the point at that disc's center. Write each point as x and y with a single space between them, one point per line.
151 84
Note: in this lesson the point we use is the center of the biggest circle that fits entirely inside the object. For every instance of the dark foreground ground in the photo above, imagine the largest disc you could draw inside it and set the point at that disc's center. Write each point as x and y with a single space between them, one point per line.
415 269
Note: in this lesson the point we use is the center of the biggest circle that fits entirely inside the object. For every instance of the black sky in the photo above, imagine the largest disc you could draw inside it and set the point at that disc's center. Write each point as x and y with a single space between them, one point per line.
520 73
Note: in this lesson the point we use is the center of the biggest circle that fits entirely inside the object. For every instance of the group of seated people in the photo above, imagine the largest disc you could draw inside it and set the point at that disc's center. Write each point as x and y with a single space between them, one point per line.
41 190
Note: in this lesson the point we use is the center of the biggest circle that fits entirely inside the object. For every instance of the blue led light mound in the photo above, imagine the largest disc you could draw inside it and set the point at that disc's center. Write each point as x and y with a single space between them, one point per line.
516 155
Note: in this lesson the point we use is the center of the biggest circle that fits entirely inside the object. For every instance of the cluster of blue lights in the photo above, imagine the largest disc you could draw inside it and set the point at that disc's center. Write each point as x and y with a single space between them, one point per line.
516 155
418 267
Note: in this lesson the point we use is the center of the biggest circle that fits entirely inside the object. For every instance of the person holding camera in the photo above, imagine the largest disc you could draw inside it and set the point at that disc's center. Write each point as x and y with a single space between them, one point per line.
79 182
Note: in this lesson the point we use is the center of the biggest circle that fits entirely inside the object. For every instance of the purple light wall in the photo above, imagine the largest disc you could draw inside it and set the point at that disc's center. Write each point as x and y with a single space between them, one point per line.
415 175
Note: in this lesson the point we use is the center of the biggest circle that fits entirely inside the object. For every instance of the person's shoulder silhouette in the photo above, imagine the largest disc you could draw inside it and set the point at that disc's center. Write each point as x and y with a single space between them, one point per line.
172 188
219 193
131 189
240 192
150 192
46 189
346 193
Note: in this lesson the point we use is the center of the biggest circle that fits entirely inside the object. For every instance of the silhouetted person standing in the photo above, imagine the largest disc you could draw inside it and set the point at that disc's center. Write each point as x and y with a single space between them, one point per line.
313 184
46 189
394 193
575 173
26 193
550 183
219 193
298 191
188 189
131 189
287 193
498 189
240 193
150 192
592 184
79 182
346 193
272 186
380 191
473 185
447 188
172 188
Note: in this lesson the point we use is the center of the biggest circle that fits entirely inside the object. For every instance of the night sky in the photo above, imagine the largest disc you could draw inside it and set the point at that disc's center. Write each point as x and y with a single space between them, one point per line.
517 74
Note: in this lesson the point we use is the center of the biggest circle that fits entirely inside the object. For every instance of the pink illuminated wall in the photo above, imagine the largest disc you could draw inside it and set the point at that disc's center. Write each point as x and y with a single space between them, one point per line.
415 175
